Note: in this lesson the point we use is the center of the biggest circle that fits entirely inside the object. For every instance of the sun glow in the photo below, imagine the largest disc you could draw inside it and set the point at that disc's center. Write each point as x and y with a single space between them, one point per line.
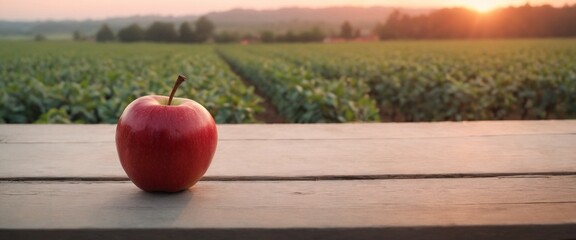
482 6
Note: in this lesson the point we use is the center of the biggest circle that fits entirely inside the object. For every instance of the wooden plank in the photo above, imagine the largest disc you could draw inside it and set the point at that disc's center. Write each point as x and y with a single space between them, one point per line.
552 232
105 133
524 154
483 208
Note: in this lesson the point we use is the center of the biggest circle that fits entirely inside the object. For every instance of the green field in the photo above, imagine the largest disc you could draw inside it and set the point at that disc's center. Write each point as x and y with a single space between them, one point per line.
63 82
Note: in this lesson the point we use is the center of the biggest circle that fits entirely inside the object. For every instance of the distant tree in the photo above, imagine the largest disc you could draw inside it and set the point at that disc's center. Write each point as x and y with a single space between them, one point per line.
382 31
346 30
226 37
186 33
357 33
393 27
267 36
161 32
290 36
105 34
312 35
317 35
248 36
132 33
39 37
77 36
204 29
510 22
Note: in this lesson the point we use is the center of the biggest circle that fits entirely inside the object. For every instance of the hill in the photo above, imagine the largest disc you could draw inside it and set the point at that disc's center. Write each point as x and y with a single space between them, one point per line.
243 20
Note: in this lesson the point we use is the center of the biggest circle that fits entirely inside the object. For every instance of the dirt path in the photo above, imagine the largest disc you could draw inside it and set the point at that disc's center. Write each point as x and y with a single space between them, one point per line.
270 114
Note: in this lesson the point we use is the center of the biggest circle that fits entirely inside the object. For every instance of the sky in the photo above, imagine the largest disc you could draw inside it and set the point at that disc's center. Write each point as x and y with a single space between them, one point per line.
27 10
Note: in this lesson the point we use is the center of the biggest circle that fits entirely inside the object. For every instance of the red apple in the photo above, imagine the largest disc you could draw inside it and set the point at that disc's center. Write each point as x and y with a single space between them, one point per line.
165 144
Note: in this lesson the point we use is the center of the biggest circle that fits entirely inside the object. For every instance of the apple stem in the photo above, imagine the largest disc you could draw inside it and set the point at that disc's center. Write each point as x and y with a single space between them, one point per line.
176 85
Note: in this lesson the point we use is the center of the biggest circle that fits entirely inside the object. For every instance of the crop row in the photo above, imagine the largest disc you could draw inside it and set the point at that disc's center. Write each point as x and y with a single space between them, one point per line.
89 83
299 95
436 81
63 82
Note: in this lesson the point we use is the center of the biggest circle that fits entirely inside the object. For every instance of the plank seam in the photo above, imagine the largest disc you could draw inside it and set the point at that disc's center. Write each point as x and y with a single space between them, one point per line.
313 139
307 178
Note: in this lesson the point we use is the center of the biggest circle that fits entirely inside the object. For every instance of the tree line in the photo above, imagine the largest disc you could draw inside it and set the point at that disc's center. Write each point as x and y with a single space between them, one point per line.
511 22
201 31
347 31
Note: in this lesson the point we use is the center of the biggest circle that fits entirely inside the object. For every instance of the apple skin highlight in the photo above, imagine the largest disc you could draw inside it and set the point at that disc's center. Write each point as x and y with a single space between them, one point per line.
165 148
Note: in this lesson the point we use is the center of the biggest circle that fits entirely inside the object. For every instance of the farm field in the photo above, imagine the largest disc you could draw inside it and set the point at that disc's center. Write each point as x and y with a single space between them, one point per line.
63 82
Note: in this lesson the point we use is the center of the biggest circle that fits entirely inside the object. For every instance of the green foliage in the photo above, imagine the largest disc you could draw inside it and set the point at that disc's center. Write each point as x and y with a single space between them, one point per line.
227 37
165 32
39 37
452 80
62 82
132 33
77 36
267 36
300 95
187 35
346 30
312 35
54 116
204 29
80 82
105 34
161 32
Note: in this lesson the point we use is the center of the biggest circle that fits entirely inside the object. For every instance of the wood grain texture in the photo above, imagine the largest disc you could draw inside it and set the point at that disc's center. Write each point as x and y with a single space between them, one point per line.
15 133
482 208
411 200
293 158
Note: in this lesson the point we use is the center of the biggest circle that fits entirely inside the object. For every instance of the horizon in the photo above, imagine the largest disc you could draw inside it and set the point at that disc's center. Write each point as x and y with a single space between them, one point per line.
95 10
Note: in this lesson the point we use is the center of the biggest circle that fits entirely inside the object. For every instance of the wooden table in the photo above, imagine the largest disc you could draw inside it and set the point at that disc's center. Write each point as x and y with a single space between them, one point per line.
471 180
